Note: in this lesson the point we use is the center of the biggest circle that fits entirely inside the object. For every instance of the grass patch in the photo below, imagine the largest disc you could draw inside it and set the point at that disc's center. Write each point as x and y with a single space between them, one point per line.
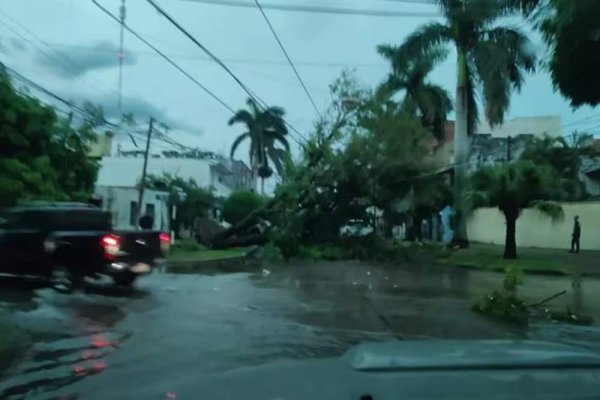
491 258
205 254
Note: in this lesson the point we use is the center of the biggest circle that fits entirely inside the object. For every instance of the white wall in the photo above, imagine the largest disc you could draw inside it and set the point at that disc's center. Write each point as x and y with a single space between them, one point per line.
117 200
487 225
538 126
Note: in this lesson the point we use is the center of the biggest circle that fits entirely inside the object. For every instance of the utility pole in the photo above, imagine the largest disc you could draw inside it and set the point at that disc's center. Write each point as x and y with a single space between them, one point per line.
123 16
143 182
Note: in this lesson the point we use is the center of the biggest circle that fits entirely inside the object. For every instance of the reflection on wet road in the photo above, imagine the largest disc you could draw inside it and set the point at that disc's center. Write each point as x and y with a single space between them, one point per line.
176 327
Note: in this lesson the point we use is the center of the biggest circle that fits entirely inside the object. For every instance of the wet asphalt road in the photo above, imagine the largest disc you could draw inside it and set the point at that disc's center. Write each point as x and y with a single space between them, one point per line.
175 328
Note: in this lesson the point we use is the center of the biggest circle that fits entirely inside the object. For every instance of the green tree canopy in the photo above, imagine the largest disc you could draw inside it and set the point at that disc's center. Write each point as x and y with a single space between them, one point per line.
241 204
492 58
265 128
41 156
570 28
564 156
191 200
512 188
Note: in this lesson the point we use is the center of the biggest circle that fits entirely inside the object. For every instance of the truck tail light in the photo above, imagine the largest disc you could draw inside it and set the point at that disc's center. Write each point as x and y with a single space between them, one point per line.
111 245
165 241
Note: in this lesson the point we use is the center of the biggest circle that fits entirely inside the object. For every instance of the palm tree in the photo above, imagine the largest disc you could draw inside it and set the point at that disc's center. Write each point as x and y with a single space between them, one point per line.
265 129
490 58
408 74
513 187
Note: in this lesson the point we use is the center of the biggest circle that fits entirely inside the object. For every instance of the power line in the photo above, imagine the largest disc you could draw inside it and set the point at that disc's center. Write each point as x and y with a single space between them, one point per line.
318 64
322 10
216 59
287 56
164 56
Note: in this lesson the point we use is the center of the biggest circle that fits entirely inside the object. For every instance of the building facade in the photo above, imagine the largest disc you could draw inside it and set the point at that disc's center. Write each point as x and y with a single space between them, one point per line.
122 203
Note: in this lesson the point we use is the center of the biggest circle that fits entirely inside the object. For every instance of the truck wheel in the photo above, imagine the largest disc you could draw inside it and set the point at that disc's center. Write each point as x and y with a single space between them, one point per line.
125 280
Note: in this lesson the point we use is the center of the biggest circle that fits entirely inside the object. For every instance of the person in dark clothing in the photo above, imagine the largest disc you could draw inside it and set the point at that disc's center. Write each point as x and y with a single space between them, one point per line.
576 235
146 222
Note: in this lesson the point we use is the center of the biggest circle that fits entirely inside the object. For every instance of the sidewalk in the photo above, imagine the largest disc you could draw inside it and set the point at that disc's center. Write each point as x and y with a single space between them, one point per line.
533 260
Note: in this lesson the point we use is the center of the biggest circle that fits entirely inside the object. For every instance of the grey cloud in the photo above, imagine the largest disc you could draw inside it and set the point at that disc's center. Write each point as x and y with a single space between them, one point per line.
80 60
142 110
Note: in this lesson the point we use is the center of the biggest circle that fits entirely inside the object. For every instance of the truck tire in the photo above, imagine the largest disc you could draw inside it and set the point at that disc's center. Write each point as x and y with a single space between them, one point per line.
125 279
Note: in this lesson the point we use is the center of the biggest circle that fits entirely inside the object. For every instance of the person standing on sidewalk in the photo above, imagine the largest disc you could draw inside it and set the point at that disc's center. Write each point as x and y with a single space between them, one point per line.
576 235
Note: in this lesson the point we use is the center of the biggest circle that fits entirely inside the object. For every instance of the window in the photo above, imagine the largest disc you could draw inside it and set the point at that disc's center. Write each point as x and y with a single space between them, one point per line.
133 211
150 210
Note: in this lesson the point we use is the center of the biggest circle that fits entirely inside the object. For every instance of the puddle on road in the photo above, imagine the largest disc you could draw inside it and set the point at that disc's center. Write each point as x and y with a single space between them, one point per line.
221 321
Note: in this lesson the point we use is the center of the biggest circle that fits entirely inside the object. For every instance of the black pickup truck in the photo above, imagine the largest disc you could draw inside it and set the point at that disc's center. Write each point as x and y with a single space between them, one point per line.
77 241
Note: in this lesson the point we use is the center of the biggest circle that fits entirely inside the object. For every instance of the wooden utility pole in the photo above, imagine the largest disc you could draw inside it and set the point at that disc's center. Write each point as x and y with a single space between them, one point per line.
143 182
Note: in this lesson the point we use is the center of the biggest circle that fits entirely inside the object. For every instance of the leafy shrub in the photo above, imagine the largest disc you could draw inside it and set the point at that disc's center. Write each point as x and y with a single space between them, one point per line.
241 204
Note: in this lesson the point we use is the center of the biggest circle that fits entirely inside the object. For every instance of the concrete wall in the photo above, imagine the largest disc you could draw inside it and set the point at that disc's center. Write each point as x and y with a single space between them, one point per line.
487 225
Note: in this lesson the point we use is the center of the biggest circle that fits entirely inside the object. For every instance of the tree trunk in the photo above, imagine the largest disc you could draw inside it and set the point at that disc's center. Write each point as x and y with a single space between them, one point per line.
262 186
461 151
510 244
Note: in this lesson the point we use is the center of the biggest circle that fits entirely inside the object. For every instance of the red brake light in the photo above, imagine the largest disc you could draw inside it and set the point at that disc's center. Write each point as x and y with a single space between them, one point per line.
111 240
164 237
111 245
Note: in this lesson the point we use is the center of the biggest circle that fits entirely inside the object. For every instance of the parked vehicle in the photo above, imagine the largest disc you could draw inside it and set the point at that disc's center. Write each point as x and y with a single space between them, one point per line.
77 241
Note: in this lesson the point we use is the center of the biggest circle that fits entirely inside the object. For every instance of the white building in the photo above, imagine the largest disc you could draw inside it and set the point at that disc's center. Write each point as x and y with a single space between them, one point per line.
537 126
223 176
117 185
122 203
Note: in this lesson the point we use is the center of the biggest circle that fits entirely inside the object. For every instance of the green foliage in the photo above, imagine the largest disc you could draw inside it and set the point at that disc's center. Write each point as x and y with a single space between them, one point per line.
513 187
505 304
564 157
41 156
570 28
265 129
241 204
372 158
408 74
191 200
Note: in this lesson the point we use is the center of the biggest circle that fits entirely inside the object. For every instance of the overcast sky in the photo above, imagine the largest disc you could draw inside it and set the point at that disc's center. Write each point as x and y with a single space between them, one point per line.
79 60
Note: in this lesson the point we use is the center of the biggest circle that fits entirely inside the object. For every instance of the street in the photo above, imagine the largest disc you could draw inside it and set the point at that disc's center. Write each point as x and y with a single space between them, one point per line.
175 328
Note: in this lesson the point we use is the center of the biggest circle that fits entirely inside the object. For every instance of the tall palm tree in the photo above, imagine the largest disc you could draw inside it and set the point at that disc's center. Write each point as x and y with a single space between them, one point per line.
431 102
490 58
265 130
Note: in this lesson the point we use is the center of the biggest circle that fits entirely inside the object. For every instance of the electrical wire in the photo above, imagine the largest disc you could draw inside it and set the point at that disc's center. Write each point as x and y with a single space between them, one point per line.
322 10
262 105
287 56
164 56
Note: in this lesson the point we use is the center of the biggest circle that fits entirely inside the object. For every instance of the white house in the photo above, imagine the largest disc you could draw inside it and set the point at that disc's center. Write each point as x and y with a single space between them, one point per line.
117 185
122 203
223 176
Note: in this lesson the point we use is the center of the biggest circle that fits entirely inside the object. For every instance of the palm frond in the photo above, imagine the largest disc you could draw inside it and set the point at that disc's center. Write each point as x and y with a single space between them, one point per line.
500 61
237 142
426 39
552 209
242 116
